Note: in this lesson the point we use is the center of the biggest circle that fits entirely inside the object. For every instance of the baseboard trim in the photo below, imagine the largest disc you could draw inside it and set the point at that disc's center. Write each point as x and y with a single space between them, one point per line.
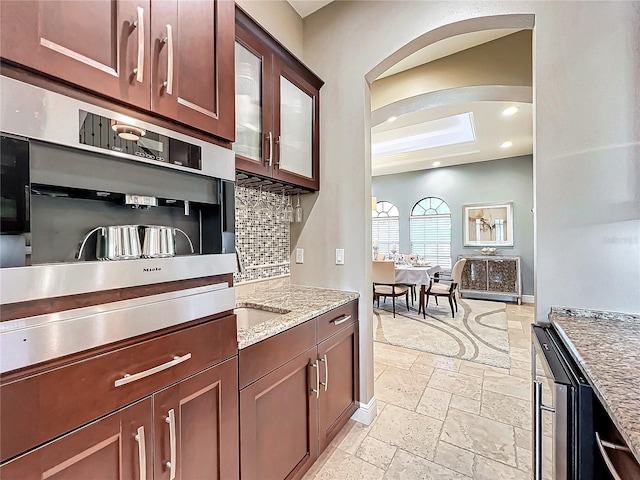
366 412
528 299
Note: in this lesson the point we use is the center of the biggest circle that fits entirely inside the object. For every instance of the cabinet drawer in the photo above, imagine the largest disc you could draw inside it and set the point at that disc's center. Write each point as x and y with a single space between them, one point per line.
263 357
337 319
61 399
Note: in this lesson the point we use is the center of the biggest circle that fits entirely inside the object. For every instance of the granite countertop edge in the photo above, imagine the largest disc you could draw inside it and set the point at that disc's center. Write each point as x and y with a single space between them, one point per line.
556 316
297 304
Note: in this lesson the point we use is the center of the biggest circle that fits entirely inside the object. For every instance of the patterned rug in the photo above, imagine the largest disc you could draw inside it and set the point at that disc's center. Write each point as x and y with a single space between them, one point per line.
477 333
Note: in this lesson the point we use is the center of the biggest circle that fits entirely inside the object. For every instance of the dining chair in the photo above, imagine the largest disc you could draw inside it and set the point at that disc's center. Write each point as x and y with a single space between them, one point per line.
439 289
384 284
380 257
411 259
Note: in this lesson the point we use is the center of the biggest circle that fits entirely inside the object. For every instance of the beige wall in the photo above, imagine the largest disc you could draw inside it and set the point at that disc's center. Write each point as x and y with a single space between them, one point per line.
505 61
279 19
586 154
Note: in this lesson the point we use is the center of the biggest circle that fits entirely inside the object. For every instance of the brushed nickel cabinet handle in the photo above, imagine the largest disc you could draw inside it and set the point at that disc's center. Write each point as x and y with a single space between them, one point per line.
537 431
602 444
142 453
270 137
342 320
139 24
325 384
317 389
171 465
140 375
168 40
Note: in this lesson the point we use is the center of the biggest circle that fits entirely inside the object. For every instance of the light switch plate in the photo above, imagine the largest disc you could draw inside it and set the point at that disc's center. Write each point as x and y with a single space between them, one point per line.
299 255
339 256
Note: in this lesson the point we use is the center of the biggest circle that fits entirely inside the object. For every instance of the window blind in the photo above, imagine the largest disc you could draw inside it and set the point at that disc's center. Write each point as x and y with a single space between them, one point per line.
387 231
431 239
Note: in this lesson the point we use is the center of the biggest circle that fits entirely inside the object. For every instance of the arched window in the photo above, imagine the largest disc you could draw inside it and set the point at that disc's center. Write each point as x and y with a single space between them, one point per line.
430 230
385 226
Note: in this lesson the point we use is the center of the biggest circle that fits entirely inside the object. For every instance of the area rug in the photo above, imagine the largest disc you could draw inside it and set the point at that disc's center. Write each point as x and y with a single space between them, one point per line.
477 333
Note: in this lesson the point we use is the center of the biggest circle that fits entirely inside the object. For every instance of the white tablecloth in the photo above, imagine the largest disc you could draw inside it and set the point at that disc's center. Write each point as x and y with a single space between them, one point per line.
415 275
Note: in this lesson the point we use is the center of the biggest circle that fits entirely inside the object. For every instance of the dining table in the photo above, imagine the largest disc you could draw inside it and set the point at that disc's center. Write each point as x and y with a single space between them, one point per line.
417 275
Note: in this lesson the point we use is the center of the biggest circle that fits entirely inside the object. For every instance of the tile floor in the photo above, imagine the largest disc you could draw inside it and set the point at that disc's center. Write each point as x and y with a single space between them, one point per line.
441 418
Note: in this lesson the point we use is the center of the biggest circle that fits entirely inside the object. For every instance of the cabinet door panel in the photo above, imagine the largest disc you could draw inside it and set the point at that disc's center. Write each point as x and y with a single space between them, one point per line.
193 69
106 449
278 430
296 120
339 370
94 45
205 410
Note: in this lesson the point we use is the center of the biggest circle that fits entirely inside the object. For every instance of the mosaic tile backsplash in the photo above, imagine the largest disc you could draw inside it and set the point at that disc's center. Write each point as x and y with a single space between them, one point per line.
262 238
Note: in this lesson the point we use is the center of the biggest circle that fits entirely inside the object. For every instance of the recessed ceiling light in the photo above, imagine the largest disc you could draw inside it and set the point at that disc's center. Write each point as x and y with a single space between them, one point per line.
436 164
507 112
506 144
392 119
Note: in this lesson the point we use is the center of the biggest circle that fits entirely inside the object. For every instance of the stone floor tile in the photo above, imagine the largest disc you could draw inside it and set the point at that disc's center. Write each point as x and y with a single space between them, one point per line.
470 368
389 355
514 325
519 340
521 354
376 452
400 387
480 435
458 383
487 469
519 372
422 369
350 437
320 462
523 456
506 409
507 385
521 364
434 403
406 466
438 361
345 466
408 430
378 368
523 438
454 458
465 404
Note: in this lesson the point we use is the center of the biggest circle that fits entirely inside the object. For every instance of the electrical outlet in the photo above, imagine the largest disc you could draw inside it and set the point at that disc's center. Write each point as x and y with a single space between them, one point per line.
299 255
339 256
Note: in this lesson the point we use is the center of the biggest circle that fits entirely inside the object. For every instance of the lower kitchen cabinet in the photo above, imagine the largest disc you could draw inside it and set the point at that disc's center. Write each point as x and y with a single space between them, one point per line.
107 449
278 421
186 431
289 415
338 370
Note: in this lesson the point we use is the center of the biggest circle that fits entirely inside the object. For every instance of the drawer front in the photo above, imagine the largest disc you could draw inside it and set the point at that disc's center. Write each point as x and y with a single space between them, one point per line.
263 357
334 321
62 399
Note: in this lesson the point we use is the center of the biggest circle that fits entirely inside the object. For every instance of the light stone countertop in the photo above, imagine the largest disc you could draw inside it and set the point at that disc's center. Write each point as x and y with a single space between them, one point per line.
607 345
298 303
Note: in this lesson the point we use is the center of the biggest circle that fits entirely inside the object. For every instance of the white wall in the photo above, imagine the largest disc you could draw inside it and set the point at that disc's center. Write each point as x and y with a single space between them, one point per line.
279 19
586 158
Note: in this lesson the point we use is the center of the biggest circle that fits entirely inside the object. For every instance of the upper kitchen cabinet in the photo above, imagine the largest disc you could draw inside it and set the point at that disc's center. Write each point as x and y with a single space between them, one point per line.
172 58
277 109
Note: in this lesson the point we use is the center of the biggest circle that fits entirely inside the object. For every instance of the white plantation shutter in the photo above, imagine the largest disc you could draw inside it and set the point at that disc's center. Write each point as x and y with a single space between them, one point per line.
430 231
387 231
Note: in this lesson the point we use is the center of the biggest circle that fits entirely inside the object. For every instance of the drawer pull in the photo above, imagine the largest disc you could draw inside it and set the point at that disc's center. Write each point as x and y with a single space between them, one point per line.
602 444
142 453
342 320
137 376
171 465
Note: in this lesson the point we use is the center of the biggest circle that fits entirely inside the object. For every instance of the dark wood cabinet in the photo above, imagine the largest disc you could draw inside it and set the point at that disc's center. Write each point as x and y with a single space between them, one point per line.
169 57
116 446
299 397
196 426
278 422
338 370
277 109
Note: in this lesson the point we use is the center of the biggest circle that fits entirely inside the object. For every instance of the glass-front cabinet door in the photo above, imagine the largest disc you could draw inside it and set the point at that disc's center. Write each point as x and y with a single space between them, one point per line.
296 120
254 139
